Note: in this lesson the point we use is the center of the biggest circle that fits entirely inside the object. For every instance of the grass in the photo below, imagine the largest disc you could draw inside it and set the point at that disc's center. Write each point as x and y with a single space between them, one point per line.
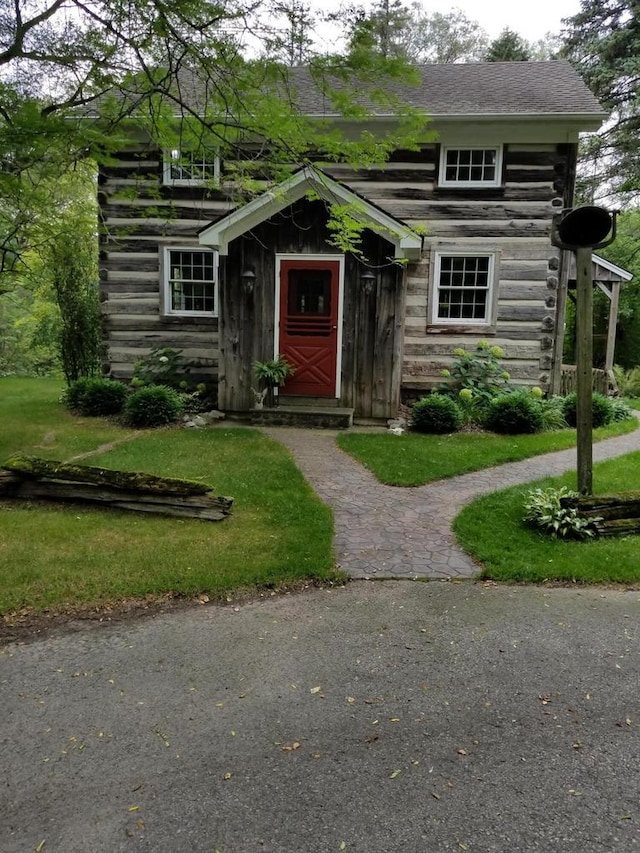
34 422
413 459
55 557
492 531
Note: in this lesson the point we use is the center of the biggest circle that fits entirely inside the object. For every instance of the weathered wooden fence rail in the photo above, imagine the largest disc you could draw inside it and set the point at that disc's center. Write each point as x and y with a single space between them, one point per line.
603 380
31 478
613 515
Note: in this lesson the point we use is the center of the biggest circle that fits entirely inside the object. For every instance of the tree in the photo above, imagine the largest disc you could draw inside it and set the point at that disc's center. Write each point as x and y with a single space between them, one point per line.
625 252
409 33
54 287
72 75
603 42
383 30
292 41
446 37
508 47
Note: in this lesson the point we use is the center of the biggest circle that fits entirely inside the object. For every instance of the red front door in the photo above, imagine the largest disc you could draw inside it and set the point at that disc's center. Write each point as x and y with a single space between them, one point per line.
309 325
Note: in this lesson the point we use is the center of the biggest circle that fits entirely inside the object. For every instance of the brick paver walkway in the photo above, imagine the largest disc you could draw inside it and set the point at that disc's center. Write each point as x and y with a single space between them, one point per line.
389 532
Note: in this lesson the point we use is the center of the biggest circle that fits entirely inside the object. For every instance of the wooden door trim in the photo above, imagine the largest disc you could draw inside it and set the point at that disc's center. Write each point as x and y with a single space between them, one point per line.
339 259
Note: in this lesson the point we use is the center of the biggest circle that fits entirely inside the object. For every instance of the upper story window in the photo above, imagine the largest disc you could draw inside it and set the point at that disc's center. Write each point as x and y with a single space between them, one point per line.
190 281
471 167
464 288
190 168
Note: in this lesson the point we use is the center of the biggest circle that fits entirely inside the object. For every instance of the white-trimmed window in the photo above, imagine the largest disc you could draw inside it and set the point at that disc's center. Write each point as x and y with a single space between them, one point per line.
190 281
463 288
190 168
473 166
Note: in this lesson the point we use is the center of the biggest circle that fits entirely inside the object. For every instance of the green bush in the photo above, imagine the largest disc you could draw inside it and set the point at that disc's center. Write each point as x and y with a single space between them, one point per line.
514 414
479 371
73 394
601 410
628 381
544 510
437 414
162 366
154 405
621 410
96 397
552 410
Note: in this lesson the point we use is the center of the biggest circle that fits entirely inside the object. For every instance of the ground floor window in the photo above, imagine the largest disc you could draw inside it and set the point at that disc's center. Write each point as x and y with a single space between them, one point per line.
463 286
190 281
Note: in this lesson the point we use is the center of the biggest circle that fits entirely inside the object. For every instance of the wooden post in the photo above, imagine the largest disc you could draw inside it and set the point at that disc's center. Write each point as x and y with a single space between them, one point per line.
584 368
561 314
613 323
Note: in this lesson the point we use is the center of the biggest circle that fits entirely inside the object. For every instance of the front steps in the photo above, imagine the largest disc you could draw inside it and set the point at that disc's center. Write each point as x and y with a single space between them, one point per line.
310 416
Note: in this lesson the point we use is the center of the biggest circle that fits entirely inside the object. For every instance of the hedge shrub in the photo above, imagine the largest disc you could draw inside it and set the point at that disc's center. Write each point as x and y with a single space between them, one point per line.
437 414
96 397
154 405
601 410
514 414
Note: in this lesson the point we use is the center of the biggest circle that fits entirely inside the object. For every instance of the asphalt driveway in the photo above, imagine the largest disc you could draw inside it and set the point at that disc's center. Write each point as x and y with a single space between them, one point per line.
379 717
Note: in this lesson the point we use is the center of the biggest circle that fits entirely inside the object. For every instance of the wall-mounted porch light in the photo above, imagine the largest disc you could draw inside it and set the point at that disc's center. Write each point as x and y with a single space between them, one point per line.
248 279
367 280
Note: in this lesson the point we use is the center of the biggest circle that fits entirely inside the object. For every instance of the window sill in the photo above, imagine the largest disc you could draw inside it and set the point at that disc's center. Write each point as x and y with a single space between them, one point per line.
461 329
191 319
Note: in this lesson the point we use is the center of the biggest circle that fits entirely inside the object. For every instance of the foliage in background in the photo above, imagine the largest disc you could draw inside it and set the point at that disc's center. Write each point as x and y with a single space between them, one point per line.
30 319
625 253
74 274
603 42
508 47
628 381
408 32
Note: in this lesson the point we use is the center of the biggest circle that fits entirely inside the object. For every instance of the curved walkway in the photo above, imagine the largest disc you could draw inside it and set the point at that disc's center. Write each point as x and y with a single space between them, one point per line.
391 532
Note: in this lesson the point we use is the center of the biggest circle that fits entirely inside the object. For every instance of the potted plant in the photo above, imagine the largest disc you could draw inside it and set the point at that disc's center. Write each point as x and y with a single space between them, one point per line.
271 375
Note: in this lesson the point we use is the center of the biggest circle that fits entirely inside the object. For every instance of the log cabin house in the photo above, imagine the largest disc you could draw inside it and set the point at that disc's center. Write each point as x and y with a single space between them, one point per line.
456 247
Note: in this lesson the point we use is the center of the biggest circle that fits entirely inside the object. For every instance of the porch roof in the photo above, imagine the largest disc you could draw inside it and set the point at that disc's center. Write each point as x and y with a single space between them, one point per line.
407 243
602 270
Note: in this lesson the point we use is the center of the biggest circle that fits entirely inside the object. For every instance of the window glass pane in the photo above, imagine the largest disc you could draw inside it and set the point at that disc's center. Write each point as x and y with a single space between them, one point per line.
192 167
309 292
476 165
463 287
192 281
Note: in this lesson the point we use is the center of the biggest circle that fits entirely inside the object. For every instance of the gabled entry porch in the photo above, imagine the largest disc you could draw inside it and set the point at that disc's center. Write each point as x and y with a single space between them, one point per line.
284 289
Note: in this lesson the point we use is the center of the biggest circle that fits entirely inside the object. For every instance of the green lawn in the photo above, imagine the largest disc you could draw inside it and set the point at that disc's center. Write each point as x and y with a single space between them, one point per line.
54 556
33 421
492 531
413 459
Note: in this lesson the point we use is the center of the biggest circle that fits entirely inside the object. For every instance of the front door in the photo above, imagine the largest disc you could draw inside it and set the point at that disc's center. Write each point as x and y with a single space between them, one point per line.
309 293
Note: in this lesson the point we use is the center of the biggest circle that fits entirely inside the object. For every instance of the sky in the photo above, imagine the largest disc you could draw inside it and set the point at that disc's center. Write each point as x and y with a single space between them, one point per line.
531 18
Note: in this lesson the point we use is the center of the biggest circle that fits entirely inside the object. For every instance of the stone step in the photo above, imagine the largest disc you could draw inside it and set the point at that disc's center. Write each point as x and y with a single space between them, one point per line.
307 402
324 417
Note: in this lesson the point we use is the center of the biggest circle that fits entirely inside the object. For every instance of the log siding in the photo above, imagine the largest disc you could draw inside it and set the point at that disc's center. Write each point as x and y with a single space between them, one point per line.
140 216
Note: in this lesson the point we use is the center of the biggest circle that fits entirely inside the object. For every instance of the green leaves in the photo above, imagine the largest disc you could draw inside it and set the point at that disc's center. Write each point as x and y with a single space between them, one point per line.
544 509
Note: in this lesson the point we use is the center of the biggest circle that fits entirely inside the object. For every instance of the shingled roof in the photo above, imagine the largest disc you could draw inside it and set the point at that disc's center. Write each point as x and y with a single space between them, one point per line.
478 89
